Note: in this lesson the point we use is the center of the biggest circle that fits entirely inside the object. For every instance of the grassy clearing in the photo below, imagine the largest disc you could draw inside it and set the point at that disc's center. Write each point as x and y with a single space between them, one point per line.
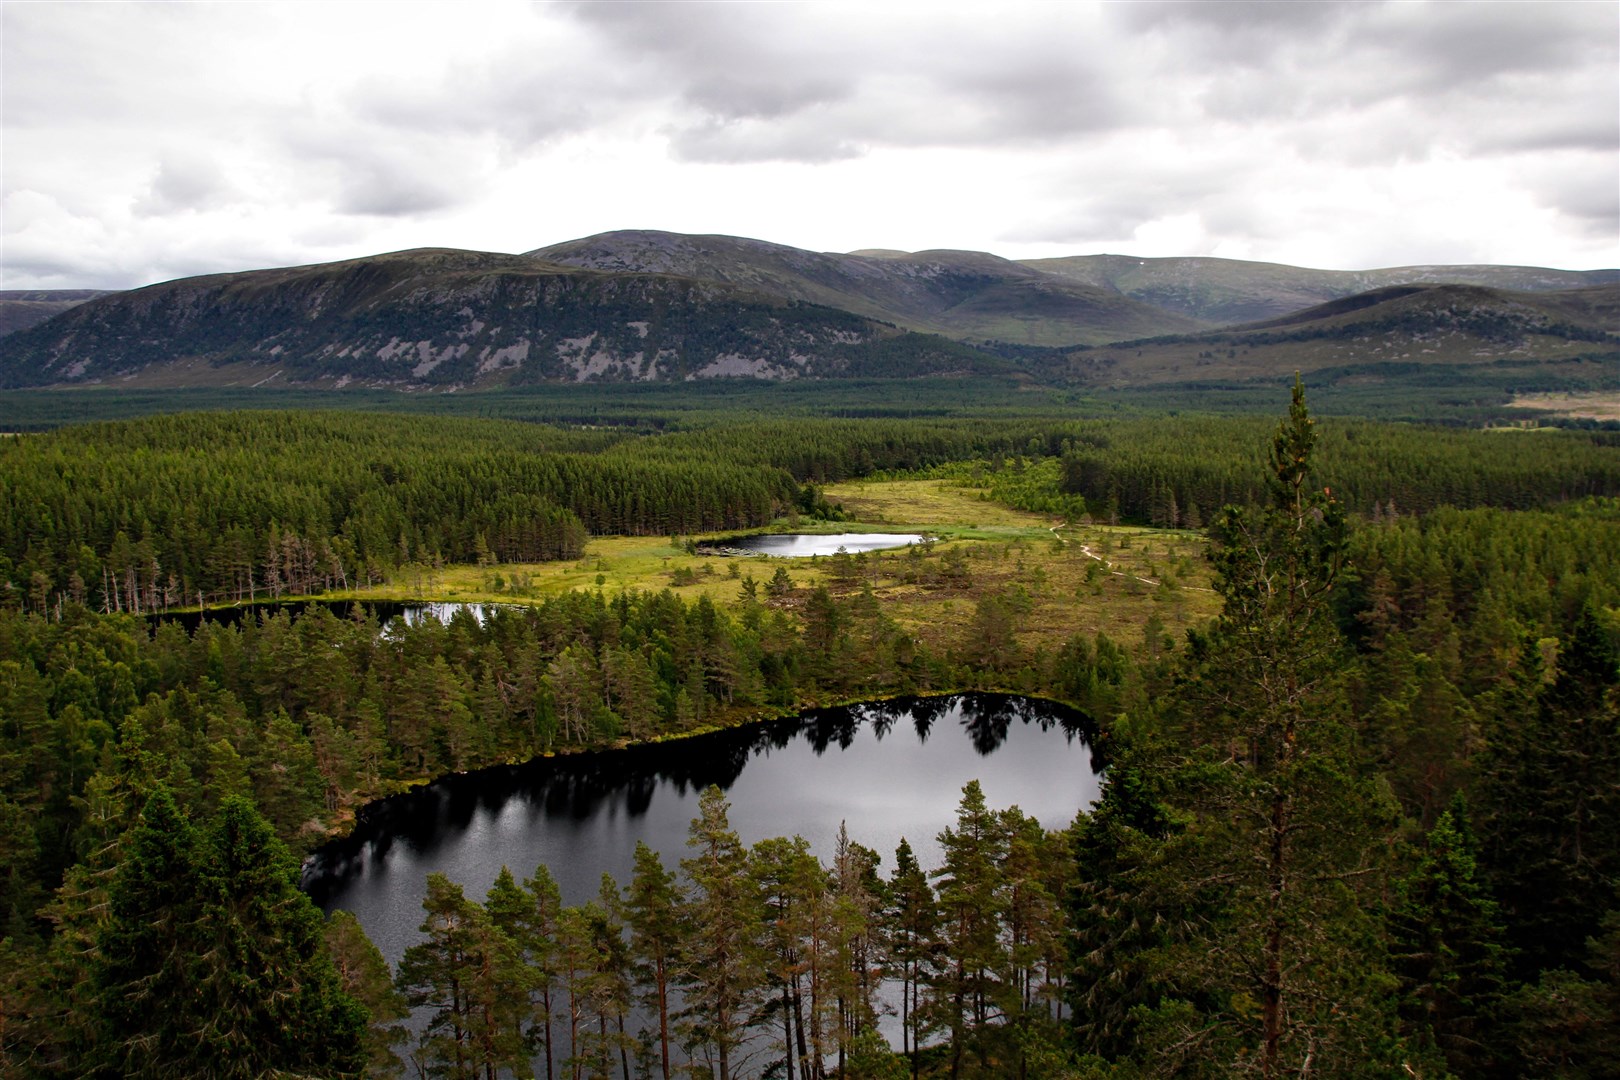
1574 406
1066 579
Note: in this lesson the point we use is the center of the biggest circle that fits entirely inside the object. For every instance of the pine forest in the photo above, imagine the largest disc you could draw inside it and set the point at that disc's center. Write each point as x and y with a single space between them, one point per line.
1355 685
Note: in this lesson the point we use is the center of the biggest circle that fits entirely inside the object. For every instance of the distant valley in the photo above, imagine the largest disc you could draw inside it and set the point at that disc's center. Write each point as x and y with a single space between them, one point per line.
659 307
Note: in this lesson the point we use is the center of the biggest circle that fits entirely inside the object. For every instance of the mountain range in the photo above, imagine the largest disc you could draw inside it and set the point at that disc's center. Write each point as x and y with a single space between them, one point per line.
642 305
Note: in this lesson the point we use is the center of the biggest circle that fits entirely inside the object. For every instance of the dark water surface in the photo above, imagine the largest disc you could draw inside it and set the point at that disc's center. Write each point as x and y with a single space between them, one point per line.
384 611
889 770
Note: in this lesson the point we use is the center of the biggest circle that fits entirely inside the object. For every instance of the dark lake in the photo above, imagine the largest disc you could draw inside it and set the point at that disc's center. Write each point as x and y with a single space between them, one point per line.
805 545
384 611
889 770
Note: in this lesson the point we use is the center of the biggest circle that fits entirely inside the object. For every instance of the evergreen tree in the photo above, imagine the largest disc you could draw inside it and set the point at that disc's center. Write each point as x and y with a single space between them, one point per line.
212 962
965 987
1270 960
1551 796
437 974
912 925
723 967
364 975
1446 946
793 888
655 912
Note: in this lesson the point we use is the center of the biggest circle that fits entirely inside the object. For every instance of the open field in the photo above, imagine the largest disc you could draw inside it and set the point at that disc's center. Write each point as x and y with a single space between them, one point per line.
1574 406
1064 579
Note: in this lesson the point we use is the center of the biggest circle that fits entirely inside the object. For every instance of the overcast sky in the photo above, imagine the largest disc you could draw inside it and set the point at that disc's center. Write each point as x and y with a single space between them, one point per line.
149 141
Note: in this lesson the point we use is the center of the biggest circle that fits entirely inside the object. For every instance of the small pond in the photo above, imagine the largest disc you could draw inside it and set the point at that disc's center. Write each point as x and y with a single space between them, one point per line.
889 770
803 545
384 611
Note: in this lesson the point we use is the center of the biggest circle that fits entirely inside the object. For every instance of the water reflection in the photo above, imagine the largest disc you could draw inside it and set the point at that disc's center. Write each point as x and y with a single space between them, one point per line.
804 545
582 814
382 611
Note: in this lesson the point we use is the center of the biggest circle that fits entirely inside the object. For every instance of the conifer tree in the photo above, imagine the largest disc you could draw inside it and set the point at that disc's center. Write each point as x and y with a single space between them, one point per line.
212 962
913 921
723 968
1270 958
364 976
1551 822
793 889
965 987
1447 946
438 974
655 911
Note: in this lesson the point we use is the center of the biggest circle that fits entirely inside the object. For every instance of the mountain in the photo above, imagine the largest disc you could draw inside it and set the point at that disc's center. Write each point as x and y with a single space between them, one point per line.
1230 291
968 295
660 306
20 309
1395 327
446 319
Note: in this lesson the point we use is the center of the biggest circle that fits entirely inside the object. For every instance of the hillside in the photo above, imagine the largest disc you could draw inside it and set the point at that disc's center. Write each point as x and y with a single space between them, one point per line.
22 308
655 306
445 319
969 295
1392 329
1231 291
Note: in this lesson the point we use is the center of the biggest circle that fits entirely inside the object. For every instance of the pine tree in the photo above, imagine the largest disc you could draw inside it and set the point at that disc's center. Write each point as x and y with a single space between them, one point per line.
1551 798
793 888
1269 958
212 962
1446 945
655 911
437 974
964 989
364 976
723 968
912 924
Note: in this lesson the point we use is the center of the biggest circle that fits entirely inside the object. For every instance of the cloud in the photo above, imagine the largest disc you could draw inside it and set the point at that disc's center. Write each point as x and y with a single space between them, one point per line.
186 181
164 138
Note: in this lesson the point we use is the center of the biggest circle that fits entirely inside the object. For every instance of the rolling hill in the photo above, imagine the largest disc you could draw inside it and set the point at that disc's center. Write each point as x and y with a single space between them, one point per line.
655 306
1232 291
1386 330
968 295
22 308
437 318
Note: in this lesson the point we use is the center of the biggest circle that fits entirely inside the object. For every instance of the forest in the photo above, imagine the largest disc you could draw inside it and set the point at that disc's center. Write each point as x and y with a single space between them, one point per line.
1363 822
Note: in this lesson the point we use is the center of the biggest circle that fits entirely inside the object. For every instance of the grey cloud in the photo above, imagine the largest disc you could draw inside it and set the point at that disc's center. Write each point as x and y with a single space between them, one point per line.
738 142
379 174
1458 44
1109 208
524 99
734 96
1235 16
845 87
1590 195
185 181
385 192
1247 34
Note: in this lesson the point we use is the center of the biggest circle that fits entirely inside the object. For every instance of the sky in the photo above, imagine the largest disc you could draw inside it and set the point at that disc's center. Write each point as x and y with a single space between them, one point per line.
143 142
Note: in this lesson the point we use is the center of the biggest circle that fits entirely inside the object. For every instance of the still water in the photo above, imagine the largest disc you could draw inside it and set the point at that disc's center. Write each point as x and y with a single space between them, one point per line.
803 545
384 611
889 770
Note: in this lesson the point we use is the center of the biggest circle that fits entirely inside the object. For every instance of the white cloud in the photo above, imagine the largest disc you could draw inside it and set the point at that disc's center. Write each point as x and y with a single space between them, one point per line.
155 140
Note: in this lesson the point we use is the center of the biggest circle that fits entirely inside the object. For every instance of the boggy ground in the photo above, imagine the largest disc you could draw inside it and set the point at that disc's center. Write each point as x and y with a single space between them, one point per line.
1131 583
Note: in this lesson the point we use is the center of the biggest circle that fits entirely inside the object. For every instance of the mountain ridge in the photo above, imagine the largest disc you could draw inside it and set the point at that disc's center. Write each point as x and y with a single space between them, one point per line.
646 305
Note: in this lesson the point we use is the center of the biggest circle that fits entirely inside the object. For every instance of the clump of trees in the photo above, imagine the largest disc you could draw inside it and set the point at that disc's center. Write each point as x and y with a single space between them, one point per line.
1336 846
756 961
1364 823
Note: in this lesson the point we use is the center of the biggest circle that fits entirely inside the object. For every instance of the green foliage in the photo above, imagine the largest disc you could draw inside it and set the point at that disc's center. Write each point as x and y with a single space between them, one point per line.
1446 947
210 955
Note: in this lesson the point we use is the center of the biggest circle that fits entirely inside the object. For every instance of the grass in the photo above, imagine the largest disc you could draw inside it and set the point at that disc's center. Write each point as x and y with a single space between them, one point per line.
1065 579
